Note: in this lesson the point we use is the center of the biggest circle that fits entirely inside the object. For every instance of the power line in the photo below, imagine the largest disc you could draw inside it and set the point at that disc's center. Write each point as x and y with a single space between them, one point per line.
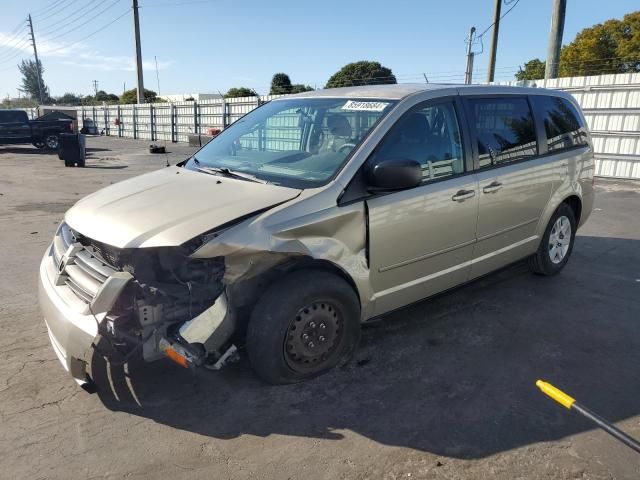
16 35
172 4
78 14
84 23
62 47
54 13
16 54
17 50
514 2
48 8
478 38
17 40
12 48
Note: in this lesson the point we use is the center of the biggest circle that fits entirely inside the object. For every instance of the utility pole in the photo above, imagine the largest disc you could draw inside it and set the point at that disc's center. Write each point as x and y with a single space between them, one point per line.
95 86
468 74
136 27
35 54
494 41
555 38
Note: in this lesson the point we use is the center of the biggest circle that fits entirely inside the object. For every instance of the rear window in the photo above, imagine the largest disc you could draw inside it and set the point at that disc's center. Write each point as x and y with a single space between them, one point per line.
12 116
562 124
505 129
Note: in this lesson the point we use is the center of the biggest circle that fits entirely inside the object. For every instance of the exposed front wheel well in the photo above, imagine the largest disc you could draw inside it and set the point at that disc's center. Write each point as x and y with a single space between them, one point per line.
576 205
244 294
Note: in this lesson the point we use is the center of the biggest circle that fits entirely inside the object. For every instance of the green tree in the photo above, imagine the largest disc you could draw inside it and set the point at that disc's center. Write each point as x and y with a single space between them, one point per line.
102 96
131 96
280 84
609 47
592 52
70 99
236 92
533 70
29 85
361 73
299 88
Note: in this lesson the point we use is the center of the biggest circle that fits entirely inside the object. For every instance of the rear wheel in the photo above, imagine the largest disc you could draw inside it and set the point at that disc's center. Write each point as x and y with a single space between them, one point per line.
303 326
557 243
51 141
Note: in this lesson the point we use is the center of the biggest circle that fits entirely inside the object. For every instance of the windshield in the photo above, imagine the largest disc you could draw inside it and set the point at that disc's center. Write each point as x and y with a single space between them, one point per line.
299 143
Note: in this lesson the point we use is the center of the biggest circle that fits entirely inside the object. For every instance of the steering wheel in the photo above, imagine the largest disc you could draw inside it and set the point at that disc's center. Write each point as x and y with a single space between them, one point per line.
346 145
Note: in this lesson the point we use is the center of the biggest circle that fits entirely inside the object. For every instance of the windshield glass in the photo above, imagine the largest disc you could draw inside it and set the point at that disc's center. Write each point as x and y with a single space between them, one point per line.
299 143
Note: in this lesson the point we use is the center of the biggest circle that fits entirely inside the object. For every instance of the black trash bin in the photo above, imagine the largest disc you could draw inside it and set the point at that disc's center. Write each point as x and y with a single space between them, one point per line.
71 149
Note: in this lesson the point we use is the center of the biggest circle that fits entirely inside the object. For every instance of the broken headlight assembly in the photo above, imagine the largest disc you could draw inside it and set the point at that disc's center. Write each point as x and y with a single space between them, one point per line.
174 306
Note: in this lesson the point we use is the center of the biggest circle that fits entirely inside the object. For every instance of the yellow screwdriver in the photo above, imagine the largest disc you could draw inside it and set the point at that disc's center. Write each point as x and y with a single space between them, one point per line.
571 404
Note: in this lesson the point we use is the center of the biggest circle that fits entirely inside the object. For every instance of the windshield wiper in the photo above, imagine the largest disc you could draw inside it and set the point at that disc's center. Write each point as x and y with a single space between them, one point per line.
230 173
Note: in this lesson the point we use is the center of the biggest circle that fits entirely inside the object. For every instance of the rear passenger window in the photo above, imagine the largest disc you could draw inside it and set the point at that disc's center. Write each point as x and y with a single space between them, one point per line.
505 129
562 124
429 135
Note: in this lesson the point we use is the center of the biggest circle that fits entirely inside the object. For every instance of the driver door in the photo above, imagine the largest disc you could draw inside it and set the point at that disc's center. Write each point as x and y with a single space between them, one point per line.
421 240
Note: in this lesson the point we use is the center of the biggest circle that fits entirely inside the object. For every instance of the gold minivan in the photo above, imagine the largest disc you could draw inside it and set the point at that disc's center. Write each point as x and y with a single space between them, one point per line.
313 214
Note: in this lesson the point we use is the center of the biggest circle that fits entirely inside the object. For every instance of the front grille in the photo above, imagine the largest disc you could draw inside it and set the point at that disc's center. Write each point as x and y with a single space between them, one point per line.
113 256
80 268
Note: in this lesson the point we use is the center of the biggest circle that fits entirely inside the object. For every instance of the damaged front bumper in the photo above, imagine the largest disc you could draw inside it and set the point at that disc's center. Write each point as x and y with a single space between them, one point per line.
71 332
84 297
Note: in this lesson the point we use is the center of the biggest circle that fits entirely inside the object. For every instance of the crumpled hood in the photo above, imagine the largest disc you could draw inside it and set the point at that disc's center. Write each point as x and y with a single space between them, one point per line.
169 207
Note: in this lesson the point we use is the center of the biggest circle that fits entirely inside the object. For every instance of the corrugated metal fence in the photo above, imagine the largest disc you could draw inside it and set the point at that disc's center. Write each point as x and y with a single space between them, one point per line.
172 122
611 105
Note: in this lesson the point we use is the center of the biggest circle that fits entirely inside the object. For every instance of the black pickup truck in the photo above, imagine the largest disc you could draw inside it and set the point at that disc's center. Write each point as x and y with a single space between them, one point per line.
16 128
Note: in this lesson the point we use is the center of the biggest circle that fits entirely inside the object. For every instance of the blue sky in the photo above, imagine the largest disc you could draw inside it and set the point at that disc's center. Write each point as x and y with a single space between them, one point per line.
211 45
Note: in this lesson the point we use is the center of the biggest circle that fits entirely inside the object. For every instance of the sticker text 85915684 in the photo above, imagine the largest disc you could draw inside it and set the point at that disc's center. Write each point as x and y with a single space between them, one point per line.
355 105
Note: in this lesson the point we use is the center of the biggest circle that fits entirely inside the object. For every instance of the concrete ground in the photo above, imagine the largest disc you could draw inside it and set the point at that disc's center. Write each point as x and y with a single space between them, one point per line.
442 390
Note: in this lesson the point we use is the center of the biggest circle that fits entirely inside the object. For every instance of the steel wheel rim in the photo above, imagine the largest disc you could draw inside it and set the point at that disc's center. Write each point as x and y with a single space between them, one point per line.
52 141
313 336
559 239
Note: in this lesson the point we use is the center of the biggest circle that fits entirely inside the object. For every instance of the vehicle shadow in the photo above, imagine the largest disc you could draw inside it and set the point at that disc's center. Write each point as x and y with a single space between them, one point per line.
97 149
453 375
106 167
28 150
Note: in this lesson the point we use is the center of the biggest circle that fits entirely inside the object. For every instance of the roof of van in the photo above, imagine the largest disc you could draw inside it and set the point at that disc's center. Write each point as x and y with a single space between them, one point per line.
401 90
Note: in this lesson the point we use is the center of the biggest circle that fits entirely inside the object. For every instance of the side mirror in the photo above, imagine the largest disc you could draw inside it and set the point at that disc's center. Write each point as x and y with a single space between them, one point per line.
393 174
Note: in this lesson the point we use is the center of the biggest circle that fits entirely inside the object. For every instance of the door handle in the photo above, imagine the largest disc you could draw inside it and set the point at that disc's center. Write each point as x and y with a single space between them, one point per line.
492 187
463 195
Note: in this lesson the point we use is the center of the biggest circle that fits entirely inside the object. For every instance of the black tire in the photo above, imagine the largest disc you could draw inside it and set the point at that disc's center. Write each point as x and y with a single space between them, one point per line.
542 262
312 303
51 141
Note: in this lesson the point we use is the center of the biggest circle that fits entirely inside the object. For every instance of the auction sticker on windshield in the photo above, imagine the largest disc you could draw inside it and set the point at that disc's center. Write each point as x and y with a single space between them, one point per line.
355 105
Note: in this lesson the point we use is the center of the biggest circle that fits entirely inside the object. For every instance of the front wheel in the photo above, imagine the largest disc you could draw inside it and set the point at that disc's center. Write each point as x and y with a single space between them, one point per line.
557 243
304 325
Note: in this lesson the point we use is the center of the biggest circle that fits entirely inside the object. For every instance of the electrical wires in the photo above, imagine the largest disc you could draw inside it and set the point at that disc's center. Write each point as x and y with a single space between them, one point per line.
71 30
14 43
478 38
68 45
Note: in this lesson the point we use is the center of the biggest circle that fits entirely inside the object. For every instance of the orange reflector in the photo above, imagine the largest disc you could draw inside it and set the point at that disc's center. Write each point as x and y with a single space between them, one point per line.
176 357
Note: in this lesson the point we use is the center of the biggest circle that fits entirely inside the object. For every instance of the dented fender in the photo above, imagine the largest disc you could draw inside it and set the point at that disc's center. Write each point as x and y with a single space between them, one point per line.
337 235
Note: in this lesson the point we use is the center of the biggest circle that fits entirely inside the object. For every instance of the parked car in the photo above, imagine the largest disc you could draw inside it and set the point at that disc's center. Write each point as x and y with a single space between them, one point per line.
313 214
16 128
